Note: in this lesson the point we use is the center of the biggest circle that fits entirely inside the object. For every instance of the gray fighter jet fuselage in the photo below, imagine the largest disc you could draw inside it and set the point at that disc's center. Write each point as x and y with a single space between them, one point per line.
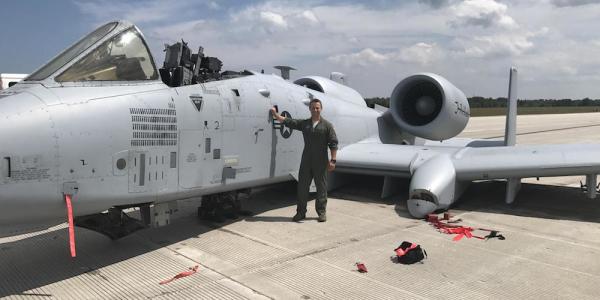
140 141
98 123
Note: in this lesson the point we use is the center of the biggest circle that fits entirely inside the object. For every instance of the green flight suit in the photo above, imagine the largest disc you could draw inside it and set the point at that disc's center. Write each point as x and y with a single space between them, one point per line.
314 160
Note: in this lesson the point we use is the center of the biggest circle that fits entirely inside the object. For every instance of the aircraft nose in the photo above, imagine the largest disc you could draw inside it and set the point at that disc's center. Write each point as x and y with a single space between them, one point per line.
28 157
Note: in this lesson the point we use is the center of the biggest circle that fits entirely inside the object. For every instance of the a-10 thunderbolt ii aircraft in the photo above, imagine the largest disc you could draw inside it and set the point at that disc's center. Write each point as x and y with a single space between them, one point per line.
101 125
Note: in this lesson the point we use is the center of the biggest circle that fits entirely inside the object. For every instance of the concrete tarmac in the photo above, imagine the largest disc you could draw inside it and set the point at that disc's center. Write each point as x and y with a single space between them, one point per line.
552 244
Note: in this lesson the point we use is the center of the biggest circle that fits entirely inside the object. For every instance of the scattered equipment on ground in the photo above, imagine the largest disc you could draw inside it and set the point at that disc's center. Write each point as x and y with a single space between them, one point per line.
451 227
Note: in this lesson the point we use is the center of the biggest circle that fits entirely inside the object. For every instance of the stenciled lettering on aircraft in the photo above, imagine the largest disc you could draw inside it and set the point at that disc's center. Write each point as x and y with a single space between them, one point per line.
30 174
191 157
462 109
285 131
244 170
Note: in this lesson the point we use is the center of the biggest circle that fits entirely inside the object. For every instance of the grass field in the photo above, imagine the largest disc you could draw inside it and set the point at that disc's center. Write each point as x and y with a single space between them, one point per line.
500 111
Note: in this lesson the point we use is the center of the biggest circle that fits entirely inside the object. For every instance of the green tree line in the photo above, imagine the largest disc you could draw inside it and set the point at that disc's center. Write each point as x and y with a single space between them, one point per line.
481 102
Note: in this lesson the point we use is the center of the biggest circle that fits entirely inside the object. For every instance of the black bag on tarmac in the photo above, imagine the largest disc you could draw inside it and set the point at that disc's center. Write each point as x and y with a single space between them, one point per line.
410 253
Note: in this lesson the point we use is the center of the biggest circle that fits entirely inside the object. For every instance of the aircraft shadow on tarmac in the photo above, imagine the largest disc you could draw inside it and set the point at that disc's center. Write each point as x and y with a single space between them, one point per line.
43 259
533 200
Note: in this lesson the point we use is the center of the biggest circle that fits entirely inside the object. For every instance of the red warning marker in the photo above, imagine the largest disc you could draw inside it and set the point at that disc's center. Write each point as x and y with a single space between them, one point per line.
361 267
71 225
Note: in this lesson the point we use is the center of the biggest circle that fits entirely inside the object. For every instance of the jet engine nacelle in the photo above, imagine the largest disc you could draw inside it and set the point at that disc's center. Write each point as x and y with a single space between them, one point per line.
429 106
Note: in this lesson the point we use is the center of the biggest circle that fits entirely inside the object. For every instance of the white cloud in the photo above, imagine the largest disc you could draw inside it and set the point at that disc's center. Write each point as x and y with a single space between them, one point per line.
483 13
274 19
472 43
310 16
363 58
420 53
563 3
496 45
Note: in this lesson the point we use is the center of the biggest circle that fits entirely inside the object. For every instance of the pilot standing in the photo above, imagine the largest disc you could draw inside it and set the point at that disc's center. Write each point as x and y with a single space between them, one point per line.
318 135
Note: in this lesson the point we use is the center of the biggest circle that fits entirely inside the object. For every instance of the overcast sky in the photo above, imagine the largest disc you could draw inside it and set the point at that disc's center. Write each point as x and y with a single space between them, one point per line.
555 44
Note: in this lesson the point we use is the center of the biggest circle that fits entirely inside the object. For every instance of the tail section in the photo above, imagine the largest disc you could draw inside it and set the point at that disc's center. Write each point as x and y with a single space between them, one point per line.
510 134
513 185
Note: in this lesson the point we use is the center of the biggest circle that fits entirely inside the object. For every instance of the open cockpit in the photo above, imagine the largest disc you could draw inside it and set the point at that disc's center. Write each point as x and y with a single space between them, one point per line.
117 53
182 67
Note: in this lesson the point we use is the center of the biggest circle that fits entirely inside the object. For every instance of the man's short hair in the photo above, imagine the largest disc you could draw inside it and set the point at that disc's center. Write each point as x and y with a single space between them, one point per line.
315 100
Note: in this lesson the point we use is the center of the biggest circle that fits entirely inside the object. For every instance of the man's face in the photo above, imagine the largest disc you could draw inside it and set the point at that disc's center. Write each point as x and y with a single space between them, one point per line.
315 109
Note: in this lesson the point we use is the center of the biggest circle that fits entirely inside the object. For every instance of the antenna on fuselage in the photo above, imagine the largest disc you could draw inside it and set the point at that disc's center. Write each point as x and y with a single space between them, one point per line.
285 71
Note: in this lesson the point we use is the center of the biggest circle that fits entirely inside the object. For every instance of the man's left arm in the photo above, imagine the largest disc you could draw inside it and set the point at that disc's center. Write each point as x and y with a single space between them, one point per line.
332 143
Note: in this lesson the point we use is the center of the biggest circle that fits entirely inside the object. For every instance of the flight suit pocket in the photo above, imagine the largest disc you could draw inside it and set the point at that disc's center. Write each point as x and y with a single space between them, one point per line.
320 131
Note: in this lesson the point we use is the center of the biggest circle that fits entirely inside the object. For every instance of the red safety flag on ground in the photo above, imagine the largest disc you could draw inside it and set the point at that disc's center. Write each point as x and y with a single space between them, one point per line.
460 231
181 275
361 267
71 225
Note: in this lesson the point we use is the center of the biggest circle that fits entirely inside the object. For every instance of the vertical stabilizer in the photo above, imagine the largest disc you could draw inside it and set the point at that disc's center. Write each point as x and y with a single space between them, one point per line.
513 185
510 134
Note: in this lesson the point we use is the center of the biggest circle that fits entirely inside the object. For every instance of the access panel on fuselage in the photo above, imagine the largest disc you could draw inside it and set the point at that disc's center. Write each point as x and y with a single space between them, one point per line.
200 163
287 143
246 129
154 137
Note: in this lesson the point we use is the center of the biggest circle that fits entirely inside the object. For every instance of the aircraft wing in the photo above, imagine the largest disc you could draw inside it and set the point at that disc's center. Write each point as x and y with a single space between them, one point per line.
526 161
472 163
374 158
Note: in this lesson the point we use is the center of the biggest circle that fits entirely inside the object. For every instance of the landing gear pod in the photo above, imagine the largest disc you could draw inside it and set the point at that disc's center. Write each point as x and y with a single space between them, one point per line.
432 187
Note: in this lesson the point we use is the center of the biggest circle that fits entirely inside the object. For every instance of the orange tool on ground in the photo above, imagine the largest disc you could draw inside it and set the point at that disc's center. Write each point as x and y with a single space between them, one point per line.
181 275
361 267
